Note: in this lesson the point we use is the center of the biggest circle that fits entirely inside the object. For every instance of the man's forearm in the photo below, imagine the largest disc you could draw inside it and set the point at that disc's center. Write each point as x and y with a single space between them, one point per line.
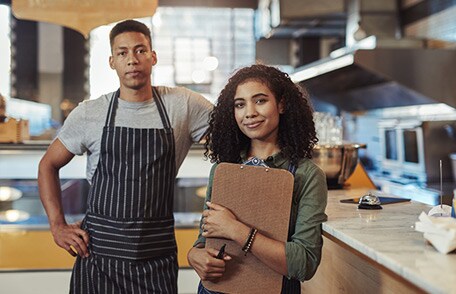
50 194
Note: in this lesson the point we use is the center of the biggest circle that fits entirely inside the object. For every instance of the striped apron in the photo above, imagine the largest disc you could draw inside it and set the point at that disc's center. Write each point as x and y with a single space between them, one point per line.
130 212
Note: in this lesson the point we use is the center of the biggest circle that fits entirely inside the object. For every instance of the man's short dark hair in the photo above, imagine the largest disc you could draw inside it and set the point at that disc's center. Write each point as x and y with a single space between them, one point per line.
129 26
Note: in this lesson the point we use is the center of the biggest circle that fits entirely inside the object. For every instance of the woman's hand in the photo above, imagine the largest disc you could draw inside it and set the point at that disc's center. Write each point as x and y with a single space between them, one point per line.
205 263
219 222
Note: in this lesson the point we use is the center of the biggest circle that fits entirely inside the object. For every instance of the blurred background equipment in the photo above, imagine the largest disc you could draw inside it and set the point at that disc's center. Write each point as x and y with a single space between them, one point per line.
12 130
2 108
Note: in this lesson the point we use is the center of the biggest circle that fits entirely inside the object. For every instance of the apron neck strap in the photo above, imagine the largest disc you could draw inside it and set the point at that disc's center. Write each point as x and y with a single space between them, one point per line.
292 168
112 109
161 109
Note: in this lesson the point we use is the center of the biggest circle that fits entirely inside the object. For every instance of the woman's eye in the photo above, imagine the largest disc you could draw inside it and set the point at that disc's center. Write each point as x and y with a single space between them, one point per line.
238 105
261 101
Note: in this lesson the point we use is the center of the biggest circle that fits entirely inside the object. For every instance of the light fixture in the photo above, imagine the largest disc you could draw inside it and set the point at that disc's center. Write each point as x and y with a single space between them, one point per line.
198 76
9 193
82 16
210 63
14 215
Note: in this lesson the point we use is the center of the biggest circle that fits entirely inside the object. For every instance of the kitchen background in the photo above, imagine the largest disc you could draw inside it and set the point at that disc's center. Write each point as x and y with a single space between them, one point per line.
383 69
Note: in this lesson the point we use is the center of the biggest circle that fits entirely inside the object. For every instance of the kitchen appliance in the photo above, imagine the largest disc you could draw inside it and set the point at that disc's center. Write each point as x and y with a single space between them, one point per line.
337 161
411 150
385 69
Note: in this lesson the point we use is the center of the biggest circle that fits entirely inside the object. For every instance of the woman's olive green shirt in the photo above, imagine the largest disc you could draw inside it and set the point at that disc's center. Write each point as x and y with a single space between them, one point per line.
310 193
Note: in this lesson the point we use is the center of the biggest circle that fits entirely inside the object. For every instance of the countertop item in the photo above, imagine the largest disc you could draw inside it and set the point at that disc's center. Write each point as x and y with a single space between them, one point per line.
388 237
337 161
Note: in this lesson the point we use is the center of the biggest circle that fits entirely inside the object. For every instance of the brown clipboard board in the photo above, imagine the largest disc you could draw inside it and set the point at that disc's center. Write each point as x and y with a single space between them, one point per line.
259 197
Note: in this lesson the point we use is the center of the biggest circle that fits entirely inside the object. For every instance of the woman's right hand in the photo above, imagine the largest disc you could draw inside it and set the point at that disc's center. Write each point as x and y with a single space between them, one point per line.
205 263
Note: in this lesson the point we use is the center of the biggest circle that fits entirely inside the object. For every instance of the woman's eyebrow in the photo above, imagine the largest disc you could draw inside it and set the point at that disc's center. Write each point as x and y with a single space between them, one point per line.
259 95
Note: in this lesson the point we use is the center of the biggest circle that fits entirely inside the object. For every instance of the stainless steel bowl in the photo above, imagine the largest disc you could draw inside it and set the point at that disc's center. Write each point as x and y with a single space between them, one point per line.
337 161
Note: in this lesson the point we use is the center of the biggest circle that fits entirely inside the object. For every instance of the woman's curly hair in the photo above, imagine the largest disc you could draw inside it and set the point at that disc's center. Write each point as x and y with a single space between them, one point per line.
297 136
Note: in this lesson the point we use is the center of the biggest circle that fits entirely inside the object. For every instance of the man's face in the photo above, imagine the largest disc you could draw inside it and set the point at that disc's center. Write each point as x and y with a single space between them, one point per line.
132 58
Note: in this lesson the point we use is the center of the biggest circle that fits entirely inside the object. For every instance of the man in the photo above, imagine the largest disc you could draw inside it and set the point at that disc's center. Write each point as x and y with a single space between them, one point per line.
135 139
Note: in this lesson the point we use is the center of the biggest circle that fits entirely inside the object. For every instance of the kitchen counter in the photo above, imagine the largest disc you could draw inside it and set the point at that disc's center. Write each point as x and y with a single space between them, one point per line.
27 247
381 242
363 250
20 161
44 144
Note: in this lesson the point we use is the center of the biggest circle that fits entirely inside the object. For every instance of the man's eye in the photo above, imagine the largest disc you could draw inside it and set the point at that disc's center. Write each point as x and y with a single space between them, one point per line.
121 53
141 51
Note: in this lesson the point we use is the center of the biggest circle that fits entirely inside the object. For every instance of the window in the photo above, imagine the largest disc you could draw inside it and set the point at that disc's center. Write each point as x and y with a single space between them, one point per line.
189 42
189 57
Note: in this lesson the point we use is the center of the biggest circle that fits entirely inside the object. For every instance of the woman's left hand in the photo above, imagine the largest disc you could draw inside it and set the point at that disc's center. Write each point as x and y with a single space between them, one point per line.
218 222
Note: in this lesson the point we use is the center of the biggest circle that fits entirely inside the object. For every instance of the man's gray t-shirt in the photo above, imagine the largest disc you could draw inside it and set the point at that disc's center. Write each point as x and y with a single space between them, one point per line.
187 111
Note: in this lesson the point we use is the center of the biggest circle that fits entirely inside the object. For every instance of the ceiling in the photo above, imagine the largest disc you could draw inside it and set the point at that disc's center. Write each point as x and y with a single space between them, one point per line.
204 3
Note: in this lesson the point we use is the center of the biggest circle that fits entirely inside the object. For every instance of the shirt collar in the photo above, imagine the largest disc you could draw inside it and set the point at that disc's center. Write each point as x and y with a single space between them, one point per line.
275 160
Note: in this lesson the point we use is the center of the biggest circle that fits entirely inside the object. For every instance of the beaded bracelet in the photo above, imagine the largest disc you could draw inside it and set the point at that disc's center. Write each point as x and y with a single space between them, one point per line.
248 244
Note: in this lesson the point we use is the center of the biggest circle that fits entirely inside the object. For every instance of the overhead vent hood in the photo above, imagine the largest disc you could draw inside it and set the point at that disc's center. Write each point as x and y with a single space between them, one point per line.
368 77
380 71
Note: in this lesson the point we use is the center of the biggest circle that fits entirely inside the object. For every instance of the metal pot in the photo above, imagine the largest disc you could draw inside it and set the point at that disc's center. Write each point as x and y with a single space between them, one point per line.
337 161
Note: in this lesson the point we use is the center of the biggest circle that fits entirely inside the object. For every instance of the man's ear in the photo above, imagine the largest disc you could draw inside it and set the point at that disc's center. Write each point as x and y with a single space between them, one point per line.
154 58
111 62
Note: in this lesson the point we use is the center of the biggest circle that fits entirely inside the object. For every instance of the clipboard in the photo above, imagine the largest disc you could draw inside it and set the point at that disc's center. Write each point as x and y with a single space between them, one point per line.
260 197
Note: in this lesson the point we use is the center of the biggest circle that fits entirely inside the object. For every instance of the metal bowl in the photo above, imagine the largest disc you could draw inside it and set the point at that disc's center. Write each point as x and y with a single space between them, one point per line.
337 161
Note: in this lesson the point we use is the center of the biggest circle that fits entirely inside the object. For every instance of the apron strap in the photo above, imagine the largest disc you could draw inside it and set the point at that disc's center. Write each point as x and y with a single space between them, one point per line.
292 169
161 109
291 229
112 109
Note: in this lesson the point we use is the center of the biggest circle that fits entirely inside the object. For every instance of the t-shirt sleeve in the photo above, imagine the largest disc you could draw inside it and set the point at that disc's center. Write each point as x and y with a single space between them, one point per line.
72 133
199 110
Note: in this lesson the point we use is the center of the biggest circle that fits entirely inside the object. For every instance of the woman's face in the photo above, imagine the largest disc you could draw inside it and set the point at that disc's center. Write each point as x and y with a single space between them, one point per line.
257 112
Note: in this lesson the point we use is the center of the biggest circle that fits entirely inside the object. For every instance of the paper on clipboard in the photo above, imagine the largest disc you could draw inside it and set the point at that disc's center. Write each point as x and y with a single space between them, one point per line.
259 197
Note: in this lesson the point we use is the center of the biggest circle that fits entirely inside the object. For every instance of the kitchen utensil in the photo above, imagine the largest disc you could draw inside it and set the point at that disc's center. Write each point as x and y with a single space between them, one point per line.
337 161
441 210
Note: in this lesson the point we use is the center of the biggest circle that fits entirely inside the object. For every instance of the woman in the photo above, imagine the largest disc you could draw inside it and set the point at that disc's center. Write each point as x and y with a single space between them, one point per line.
264 115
